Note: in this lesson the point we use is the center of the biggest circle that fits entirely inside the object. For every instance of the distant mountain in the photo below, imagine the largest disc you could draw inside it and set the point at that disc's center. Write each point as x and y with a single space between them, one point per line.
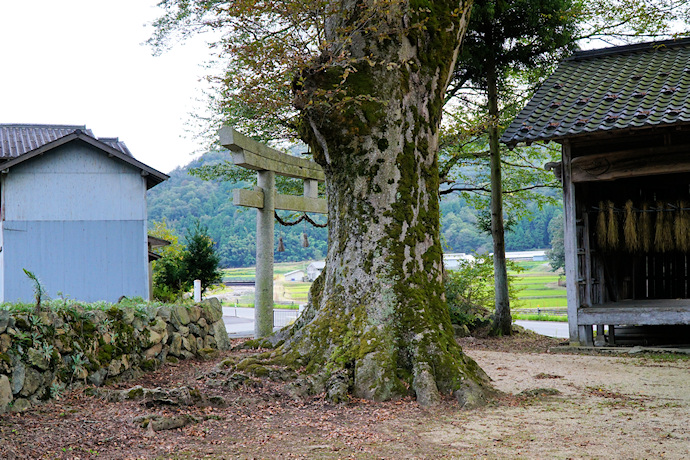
183 199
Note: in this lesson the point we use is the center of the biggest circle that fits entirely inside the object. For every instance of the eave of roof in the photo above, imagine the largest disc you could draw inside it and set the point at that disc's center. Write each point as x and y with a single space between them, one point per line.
153 176
156 242
609 90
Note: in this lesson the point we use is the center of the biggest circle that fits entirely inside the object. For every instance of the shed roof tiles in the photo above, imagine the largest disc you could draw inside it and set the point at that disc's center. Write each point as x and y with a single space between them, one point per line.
18 139
19 143
609 89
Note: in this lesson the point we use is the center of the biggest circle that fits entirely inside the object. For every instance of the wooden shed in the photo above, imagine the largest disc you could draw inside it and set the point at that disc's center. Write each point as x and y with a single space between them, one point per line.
622 116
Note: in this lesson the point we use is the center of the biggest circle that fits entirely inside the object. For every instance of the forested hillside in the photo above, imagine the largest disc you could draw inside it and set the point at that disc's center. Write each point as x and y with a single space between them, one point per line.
183 199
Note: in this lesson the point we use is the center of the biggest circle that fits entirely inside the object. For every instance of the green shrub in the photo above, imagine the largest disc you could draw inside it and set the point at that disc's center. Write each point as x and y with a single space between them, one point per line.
175 272
470 291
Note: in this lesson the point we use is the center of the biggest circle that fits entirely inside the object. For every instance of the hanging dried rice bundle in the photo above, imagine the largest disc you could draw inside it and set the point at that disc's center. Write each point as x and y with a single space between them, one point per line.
612 226
601 226
646 228
632 238
663 235
681 227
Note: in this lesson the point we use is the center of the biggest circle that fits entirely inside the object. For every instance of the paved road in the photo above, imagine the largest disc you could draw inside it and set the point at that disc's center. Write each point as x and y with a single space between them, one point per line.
552 329
239 322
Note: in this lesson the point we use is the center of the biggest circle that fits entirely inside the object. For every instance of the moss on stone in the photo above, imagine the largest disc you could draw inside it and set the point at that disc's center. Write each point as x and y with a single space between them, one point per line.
256 344
246 362
135 393
21 322
257 370
149 365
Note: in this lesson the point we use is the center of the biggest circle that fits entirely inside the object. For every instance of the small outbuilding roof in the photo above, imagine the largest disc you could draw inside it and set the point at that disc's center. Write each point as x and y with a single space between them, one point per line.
18 139
21 142
617 88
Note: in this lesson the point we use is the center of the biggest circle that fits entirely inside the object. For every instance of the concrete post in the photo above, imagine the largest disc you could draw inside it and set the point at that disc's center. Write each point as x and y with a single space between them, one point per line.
197 291
311 188
263 303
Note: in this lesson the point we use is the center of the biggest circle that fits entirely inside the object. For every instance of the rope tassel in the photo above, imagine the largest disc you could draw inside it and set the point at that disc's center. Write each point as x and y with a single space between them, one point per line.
681 231
632 238
601 226
663 235
305 240
646 228
612 224
281 245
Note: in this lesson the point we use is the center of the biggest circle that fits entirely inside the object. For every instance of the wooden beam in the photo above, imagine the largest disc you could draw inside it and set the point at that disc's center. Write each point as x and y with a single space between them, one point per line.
640 315
255 199
248 153
631 163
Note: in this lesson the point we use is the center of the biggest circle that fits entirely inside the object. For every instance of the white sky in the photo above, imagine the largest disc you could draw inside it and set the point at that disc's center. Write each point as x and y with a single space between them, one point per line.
82 62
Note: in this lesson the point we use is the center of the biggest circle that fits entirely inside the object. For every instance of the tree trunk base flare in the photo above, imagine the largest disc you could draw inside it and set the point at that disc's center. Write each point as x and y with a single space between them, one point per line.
348 353
502 323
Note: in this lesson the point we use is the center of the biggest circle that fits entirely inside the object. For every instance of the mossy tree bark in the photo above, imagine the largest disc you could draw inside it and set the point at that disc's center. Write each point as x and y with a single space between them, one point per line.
377 325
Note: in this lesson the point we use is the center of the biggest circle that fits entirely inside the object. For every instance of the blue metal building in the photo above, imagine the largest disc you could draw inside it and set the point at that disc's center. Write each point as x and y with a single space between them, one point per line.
73 212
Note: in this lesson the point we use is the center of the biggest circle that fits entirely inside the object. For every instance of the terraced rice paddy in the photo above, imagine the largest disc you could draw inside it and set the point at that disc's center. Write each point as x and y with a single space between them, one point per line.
538 286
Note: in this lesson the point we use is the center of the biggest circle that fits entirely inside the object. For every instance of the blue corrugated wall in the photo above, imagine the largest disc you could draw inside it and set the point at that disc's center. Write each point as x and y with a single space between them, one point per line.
87 260
77 219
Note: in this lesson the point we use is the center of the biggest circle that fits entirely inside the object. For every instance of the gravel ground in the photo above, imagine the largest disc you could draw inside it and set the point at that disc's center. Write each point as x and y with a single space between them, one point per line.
551 405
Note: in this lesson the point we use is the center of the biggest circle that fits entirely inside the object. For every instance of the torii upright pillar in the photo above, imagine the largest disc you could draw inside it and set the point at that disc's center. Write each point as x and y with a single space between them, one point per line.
268 162
263 287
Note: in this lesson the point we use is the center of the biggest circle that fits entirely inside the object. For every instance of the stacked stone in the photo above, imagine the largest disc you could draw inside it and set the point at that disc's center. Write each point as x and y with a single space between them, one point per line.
43 354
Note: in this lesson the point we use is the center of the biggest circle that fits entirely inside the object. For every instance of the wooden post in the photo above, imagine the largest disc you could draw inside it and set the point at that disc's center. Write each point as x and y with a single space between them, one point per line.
263 303
570 245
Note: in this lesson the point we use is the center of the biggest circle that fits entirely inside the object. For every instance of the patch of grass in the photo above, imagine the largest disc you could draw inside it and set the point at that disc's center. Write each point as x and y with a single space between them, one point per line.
535 279
540 317
533 266
298 292
276 306
249 273
542 292
544 302
666 357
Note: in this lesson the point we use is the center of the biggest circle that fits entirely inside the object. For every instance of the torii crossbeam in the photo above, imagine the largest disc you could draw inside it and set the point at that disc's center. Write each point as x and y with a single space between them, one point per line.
268 162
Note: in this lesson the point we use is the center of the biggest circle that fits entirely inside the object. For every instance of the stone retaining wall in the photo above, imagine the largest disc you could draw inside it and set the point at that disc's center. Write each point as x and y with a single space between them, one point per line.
43 353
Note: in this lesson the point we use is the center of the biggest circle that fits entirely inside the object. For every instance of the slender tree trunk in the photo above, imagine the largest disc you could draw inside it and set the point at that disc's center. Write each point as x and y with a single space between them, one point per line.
502 323
377 325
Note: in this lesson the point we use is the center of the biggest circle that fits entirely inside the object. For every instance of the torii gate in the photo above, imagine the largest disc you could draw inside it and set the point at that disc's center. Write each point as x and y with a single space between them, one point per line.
268 162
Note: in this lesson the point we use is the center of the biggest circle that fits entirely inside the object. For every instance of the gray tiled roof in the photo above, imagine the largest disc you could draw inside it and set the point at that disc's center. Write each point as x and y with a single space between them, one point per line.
18 139
609 89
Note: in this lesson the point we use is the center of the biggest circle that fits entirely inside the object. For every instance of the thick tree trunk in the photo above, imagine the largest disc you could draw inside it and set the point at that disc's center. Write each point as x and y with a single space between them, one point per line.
502 322
377 325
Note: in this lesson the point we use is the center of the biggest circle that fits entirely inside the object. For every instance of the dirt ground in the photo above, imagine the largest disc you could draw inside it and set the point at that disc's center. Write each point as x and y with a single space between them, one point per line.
554 406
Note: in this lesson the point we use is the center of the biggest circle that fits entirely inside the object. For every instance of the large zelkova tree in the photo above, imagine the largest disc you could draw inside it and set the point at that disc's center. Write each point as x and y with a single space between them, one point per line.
366 81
